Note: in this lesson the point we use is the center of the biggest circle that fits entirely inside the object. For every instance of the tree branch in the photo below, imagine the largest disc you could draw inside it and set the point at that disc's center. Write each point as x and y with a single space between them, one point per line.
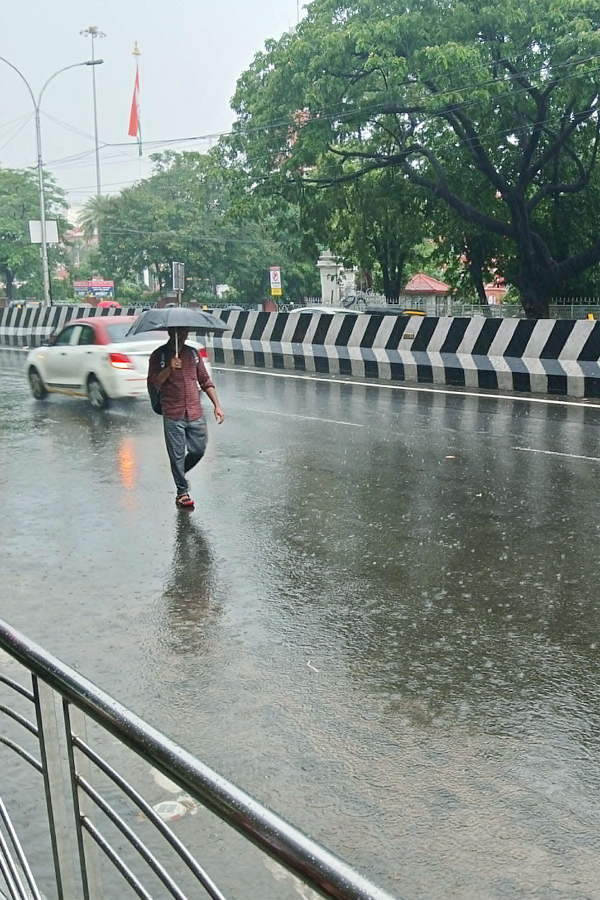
441 189
474 145
574 265
561 139
463 127
541 103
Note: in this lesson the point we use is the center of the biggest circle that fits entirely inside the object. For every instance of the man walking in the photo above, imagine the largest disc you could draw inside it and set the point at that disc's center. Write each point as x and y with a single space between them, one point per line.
175 370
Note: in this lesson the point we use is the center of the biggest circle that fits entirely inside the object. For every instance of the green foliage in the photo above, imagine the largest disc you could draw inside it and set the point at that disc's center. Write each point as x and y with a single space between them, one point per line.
135 292
19 202
490 109
373 223
197 210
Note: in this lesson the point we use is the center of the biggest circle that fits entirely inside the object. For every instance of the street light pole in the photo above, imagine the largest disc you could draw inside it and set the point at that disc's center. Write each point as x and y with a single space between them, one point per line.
40 171
40 165
94 32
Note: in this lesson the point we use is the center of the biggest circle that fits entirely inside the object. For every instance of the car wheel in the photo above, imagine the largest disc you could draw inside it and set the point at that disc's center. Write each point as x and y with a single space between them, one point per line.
38 388
96 393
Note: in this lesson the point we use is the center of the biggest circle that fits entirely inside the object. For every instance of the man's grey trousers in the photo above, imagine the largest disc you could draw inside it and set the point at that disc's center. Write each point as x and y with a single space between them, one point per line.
186 442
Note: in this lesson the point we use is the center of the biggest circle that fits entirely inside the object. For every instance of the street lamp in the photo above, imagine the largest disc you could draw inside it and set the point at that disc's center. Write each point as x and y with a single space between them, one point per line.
38 135
94 32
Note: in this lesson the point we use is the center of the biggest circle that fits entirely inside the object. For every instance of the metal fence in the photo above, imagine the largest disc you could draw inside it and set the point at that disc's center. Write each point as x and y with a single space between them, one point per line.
562 308
90 832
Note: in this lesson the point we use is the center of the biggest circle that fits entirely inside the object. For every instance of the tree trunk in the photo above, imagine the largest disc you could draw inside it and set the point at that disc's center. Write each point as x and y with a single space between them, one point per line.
393 275
535 302
536 279
9 283
476 263
535 285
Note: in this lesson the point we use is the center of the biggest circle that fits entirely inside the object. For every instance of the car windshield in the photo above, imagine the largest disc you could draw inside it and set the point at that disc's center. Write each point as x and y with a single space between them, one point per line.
119 332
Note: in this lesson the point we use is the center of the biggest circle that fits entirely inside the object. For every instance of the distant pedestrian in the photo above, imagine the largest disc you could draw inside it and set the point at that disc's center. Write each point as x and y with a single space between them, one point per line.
176 370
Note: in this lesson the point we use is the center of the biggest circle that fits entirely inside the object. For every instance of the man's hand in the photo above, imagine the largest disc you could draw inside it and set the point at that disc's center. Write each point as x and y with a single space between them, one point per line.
219 415
175 363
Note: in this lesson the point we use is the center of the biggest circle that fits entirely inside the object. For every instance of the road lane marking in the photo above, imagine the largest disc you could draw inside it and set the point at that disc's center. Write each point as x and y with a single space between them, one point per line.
273 412
582 404
556 453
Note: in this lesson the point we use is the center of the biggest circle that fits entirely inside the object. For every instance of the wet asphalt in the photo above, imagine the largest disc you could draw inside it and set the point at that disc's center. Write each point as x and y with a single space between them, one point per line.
382 619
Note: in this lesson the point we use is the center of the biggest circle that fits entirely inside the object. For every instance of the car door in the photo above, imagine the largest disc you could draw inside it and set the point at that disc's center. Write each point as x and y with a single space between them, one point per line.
58 365
80 357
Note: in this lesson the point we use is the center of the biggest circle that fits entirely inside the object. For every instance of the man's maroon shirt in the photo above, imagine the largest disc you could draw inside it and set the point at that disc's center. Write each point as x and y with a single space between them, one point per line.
179 394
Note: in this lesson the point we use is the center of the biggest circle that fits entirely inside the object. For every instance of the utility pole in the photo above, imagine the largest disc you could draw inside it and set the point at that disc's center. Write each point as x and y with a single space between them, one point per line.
94 32
40 164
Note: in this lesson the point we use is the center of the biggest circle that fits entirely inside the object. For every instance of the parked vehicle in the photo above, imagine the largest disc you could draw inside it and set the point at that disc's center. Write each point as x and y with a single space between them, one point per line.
331 310
393 311
23 304
97 359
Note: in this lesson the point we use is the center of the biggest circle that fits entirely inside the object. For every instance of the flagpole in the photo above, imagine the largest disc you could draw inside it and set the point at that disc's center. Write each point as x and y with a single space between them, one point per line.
136 55
135 122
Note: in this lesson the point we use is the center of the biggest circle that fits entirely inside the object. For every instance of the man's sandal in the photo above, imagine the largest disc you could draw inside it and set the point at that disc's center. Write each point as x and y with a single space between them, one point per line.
184 501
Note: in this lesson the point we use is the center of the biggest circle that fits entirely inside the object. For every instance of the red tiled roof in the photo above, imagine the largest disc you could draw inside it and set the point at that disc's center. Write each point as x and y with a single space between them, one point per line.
424 284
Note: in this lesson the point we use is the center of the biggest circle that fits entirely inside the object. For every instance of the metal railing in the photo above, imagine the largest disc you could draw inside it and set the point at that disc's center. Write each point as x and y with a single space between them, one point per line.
97 833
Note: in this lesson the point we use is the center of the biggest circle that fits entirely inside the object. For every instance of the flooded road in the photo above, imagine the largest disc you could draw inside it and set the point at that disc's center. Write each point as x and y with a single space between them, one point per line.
382 620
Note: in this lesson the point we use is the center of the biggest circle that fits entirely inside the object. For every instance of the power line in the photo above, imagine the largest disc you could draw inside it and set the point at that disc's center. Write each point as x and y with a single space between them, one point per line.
324 114
17 131
342 112
321 115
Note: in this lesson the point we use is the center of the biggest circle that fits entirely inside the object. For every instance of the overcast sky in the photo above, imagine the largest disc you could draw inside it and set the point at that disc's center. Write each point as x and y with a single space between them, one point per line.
192 54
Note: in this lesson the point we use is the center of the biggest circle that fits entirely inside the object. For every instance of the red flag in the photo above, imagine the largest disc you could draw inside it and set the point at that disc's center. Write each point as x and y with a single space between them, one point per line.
135 129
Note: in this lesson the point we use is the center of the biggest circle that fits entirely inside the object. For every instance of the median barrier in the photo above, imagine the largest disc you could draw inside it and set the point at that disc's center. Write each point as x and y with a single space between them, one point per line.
28 326
544 356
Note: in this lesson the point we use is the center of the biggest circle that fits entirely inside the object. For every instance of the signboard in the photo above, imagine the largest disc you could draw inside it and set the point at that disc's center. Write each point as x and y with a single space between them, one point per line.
35 231
275 273
178 276
94 289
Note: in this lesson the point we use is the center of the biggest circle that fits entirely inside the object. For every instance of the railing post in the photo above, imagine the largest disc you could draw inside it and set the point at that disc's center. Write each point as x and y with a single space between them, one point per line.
56 772
75 723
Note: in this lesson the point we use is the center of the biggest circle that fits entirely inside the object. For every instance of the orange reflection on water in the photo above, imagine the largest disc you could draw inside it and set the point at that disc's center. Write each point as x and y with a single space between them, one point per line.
127 463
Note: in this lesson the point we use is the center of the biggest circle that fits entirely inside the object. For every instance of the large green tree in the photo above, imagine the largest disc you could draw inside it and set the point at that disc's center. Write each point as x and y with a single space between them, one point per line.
19 202
491 108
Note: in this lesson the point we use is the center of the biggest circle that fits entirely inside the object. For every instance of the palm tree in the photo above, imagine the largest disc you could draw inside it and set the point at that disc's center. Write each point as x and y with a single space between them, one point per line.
91 215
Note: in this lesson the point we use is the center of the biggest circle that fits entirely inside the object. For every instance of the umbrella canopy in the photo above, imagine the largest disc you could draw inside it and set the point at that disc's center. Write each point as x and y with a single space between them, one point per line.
179 317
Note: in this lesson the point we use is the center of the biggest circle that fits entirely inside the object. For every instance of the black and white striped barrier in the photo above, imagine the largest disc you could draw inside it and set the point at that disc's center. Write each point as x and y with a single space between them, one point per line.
29 325
542 356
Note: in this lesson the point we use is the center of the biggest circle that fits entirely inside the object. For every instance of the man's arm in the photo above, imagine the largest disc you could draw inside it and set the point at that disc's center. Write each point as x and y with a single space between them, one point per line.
211 393
157 375
209 389
165 374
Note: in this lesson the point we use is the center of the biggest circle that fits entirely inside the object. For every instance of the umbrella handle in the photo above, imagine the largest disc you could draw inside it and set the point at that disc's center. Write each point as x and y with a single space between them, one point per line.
176 343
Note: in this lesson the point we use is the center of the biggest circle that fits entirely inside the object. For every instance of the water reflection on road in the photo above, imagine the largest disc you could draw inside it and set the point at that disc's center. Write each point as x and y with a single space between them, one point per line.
382 619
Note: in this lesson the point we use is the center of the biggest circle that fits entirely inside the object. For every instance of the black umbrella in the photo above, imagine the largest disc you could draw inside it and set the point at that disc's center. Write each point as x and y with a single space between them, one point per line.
179 317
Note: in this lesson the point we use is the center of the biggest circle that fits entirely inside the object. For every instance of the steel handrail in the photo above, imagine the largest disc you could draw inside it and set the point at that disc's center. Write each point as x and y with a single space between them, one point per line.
318 867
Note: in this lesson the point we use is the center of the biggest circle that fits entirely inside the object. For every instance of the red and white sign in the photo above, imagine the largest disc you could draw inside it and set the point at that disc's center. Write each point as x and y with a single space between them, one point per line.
275 273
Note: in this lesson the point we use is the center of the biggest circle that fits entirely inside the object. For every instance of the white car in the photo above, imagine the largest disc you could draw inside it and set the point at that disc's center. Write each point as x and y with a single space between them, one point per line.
97 359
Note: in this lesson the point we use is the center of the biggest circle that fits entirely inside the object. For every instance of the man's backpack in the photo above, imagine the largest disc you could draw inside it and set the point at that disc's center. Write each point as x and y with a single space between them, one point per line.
155 399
